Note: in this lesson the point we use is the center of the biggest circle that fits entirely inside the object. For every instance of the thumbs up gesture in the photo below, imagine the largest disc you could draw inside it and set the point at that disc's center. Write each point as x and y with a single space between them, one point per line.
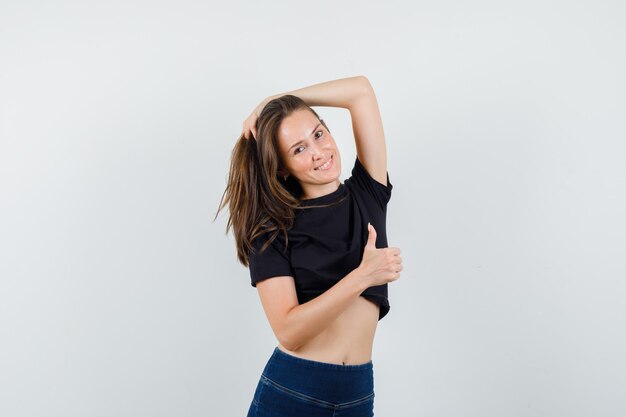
379 266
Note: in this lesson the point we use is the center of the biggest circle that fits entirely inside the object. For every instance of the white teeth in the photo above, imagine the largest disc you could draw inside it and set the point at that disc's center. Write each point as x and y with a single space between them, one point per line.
324 166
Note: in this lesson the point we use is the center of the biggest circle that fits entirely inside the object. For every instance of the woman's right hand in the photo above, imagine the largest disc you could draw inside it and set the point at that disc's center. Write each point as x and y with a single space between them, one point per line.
379 266
249 125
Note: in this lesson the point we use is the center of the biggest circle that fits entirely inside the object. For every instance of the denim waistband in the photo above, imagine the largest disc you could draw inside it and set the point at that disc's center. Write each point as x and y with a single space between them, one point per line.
332 382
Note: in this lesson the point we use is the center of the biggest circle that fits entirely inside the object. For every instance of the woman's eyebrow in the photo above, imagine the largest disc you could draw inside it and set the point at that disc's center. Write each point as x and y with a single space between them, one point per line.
302 140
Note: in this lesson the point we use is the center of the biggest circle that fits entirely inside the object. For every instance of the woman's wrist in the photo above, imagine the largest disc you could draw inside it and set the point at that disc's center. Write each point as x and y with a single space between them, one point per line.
360 279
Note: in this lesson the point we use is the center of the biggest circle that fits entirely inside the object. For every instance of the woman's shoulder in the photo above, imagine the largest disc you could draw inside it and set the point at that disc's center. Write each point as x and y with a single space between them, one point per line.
363 184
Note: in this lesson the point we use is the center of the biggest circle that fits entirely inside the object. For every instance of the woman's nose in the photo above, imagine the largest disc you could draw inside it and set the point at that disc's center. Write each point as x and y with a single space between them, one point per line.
316 151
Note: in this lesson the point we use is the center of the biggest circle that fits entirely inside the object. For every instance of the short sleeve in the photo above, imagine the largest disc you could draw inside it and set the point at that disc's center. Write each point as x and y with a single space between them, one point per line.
270 263
362 179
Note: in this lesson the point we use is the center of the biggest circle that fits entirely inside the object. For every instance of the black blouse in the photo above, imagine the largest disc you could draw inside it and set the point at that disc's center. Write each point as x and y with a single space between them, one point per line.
326 244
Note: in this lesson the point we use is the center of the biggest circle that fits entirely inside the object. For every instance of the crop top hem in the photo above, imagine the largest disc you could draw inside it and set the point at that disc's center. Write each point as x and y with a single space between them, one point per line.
383 302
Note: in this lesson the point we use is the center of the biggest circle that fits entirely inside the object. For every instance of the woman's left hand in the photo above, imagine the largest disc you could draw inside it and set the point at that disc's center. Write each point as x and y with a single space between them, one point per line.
249 125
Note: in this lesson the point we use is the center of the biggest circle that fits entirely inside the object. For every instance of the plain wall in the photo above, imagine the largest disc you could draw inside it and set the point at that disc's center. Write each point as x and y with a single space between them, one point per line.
504 123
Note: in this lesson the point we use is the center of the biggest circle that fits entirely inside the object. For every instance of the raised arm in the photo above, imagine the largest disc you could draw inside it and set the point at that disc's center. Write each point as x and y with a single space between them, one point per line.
343 92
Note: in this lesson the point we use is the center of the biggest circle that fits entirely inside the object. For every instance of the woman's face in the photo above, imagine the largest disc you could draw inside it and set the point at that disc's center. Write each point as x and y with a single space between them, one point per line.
305 147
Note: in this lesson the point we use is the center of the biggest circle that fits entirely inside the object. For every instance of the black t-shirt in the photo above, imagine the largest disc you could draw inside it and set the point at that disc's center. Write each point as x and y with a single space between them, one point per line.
325 244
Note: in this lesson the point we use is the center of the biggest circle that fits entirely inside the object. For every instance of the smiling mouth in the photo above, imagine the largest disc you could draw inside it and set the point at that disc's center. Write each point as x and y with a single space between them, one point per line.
326 165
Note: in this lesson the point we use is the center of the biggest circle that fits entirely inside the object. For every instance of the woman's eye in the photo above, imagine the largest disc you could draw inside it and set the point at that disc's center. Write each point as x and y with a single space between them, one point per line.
297 151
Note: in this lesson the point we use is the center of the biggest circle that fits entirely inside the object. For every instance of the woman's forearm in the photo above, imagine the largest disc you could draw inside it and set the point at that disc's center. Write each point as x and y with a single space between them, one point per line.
335 93
307 320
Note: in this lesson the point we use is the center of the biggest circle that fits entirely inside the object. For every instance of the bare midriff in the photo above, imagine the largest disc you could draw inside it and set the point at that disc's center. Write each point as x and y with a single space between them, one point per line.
348 340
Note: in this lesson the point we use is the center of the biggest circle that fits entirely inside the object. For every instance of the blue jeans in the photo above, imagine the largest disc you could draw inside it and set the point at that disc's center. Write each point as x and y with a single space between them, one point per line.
292 386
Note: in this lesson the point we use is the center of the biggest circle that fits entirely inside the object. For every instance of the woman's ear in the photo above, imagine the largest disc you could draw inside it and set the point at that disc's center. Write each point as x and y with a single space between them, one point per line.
282 172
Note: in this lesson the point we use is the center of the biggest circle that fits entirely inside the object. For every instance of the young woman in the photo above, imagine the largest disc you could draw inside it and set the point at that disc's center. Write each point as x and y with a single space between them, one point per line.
316 247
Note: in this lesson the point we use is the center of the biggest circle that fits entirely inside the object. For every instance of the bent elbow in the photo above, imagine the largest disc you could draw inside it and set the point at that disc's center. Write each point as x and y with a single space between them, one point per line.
366 82
287 339
287 343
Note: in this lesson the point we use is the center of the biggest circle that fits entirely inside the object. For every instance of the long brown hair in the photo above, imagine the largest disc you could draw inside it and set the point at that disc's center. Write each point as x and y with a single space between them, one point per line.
259 199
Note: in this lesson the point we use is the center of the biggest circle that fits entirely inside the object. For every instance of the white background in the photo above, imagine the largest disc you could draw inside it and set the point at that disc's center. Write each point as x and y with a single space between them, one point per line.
504 121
